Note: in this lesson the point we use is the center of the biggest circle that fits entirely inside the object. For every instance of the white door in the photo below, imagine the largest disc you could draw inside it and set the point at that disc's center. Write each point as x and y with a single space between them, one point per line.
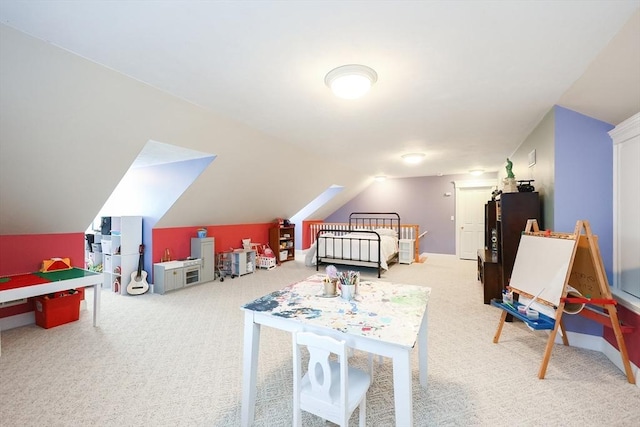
470 220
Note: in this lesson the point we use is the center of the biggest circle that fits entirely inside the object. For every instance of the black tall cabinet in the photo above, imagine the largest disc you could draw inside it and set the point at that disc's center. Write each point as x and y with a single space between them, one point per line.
505 219
513 211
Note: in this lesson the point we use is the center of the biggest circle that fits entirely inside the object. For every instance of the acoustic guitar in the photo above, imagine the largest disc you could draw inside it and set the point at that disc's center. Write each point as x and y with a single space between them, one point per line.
138 284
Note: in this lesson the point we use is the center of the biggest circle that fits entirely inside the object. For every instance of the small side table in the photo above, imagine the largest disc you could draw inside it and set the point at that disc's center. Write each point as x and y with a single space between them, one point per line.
243 261
405 251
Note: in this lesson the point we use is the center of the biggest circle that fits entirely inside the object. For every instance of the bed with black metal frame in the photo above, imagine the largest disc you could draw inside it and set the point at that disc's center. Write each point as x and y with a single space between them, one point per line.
371 240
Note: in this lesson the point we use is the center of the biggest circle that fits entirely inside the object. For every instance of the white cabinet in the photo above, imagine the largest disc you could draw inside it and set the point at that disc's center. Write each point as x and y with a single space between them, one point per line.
167 276
121 251
405 251
243 262
204 249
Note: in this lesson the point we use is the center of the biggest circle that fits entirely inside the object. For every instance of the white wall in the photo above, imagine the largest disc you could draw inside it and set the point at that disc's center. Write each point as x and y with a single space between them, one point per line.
70 129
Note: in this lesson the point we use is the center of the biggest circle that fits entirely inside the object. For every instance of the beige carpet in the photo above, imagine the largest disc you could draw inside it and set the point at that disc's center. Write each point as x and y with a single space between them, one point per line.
176 360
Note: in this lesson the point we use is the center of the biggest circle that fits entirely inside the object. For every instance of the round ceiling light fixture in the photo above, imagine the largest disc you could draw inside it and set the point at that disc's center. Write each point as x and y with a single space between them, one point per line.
351 81
380 178
412 158
476 172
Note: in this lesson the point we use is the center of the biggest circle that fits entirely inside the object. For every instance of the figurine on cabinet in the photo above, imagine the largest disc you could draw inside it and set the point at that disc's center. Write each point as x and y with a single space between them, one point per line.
509 183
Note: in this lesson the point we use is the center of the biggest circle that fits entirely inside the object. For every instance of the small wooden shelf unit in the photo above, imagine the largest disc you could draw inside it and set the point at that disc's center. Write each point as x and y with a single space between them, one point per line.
281 239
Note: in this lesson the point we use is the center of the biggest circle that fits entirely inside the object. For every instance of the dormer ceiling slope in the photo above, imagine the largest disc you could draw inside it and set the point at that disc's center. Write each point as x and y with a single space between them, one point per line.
462 82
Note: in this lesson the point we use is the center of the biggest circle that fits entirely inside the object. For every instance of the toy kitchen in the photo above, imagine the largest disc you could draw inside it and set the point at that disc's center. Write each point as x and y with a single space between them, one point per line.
173 275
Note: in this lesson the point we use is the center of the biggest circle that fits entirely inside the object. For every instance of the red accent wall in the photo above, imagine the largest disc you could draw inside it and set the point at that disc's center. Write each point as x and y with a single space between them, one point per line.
631 340
25 253
178 239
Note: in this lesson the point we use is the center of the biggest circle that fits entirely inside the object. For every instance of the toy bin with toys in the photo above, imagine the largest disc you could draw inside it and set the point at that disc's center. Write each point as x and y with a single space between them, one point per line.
267 263
266 258
59 308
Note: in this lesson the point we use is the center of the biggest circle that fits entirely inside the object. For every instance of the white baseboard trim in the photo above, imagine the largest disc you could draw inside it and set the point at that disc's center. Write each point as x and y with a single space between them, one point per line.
613 354
588 342
17 321
592 342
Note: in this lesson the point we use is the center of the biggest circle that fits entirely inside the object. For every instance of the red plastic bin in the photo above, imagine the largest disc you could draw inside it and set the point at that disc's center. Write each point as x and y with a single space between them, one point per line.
58 309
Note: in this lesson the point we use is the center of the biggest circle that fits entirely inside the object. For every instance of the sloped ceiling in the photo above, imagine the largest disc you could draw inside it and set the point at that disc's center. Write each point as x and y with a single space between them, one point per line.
70 129
463 81
85 85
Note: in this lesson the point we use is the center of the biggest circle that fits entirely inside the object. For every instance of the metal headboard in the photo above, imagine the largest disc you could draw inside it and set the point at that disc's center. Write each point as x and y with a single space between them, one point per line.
372 220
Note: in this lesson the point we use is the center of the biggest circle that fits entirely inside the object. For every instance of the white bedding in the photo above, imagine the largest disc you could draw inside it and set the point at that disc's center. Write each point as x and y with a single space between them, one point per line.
331 246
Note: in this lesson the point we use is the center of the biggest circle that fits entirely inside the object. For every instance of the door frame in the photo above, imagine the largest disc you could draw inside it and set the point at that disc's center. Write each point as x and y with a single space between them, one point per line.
472 183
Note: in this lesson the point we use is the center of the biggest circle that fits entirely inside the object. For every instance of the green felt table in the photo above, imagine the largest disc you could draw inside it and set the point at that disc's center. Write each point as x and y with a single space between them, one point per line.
38 278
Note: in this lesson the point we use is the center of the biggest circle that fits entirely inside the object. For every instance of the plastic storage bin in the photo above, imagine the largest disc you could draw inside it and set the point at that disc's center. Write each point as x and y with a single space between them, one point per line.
266 262
58 309
106 246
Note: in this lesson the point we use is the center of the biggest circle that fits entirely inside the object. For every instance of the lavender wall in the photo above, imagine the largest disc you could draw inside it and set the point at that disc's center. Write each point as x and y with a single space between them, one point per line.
418 200
584 178
583 187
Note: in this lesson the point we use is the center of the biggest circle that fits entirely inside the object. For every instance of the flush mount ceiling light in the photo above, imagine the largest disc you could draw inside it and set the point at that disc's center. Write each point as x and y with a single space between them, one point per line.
412 158
351 81
380 178
476 172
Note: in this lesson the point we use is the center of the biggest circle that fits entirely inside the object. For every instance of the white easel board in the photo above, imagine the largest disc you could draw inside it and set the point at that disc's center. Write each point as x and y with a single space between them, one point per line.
542 264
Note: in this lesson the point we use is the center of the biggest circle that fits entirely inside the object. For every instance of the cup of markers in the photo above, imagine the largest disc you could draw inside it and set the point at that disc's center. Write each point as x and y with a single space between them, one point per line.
349 284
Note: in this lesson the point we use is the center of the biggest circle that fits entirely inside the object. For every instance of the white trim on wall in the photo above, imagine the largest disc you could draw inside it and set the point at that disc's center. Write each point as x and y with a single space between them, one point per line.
627 132
595 343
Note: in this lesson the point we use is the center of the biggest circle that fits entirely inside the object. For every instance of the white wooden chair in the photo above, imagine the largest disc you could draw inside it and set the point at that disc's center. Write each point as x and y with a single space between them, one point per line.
371 364
329 389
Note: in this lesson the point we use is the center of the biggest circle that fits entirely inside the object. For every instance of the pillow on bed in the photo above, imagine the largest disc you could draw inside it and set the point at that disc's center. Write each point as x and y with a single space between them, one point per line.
386 232
328 234
362 234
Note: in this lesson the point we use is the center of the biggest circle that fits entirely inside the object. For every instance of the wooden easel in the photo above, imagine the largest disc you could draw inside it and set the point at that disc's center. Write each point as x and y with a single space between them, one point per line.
585 273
